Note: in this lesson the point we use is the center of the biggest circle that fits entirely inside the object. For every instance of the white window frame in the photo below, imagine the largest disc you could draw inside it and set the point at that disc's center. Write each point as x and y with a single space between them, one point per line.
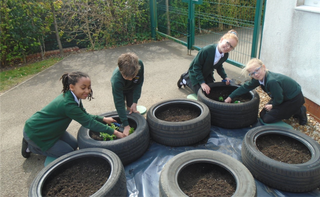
308 6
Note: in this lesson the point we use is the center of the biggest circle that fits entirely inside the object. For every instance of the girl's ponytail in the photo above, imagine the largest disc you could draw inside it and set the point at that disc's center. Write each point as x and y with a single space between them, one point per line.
65 84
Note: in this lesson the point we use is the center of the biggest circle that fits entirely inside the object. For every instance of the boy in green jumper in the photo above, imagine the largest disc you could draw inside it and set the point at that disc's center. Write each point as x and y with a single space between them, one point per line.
286 96
126 82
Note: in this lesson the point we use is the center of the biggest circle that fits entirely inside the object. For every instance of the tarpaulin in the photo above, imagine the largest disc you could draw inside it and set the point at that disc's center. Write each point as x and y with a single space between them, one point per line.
143 174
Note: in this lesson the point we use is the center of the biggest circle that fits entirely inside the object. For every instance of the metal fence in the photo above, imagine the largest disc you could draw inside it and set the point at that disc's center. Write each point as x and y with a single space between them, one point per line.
197 23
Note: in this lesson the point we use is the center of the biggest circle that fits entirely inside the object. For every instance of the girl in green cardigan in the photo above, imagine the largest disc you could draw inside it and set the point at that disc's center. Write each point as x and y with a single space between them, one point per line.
210 57
286 96
45 132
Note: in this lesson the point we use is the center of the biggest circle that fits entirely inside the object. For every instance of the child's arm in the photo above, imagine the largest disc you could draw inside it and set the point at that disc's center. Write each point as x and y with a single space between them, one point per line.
89 121
138 87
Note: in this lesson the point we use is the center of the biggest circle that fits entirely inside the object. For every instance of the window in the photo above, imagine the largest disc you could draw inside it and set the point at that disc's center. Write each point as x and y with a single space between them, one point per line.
313 3
308 5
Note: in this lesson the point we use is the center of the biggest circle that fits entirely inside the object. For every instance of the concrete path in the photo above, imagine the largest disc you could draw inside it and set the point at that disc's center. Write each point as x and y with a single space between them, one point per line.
164 62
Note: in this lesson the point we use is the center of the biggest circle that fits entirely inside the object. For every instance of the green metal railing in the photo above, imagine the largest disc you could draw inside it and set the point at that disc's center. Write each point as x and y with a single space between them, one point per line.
197 23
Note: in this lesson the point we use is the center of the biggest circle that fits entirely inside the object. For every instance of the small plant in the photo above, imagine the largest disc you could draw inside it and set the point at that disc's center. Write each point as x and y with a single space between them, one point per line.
236 102
131 130
106 136
221 98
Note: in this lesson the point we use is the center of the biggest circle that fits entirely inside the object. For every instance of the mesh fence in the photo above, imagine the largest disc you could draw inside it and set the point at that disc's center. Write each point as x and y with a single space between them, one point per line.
212 19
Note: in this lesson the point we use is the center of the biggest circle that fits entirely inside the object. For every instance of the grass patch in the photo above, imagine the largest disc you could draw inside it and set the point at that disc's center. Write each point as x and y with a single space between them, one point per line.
13 77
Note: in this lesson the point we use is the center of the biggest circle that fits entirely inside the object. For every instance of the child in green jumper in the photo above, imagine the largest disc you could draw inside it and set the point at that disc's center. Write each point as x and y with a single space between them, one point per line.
286 96
210 57
45 132
126 82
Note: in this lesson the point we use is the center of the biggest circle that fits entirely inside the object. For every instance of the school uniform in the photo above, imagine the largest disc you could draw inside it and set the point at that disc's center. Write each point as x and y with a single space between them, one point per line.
129 90
202 67
44 128
286 96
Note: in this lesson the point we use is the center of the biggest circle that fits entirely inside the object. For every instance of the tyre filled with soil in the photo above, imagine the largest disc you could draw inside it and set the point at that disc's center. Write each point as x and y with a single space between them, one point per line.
89 172
179 122
282 158
242 112
129 148
205 173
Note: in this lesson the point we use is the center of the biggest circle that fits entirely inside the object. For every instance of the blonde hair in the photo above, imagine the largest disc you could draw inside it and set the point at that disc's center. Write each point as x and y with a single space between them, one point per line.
231 34
254 62
128 64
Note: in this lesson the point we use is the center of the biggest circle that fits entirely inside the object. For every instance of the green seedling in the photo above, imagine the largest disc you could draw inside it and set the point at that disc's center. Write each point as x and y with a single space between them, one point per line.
220 98
106 136
237 102
131 130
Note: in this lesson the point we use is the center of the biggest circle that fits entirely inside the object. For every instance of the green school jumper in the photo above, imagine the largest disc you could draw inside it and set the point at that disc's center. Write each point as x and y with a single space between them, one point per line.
202 68
45 127
120 85
279 87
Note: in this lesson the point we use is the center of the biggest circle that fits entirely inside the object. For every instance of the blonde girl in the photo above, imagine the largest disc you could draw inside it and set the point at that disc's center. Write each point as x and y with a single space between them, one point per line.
286 96
210 57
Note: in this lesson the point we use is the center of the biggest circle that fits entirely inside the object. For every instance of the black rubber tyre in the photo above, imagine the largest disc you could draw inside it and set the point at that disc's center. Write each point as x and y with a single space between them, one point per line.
115 186
231 115
168 183
129 148
179 133
283 176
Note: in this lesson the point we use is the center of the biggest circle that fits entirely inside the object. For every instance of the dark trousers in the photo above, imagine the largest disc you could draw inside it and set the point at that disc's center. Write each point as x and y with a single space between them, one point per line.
195 88
283 111
66 144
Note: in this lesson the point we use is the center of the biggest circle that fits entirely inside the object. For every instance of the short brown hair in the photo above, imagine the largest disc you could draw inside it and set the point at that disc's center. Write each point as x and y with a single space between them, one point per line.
129 64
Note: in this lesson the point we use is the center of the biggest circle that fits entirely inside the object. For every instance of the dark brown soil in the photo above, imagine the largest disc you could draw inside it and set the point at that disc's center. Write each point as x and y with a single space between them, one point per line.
205 179
225 91
81 177
177 114
283 149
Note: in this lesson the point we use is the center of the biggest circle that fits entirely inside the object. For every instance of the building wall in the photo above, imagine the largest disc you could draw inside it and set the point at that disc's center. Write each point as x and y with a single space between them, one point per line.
291 45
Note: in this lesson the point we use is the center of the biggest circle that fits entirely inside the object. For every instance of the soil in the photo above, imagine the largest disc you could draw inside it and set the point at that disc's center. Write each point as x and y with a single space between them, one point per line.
205 179
81 177
96 136
224 92
177 114
284 149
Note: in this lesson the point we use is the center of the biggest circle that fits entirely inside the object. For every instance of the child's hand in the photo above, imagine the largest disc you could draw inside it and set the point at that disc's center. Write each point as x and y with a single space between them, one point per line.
228 82
108 120
205 88
268 107
228 100
133 108
126 130
119 134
